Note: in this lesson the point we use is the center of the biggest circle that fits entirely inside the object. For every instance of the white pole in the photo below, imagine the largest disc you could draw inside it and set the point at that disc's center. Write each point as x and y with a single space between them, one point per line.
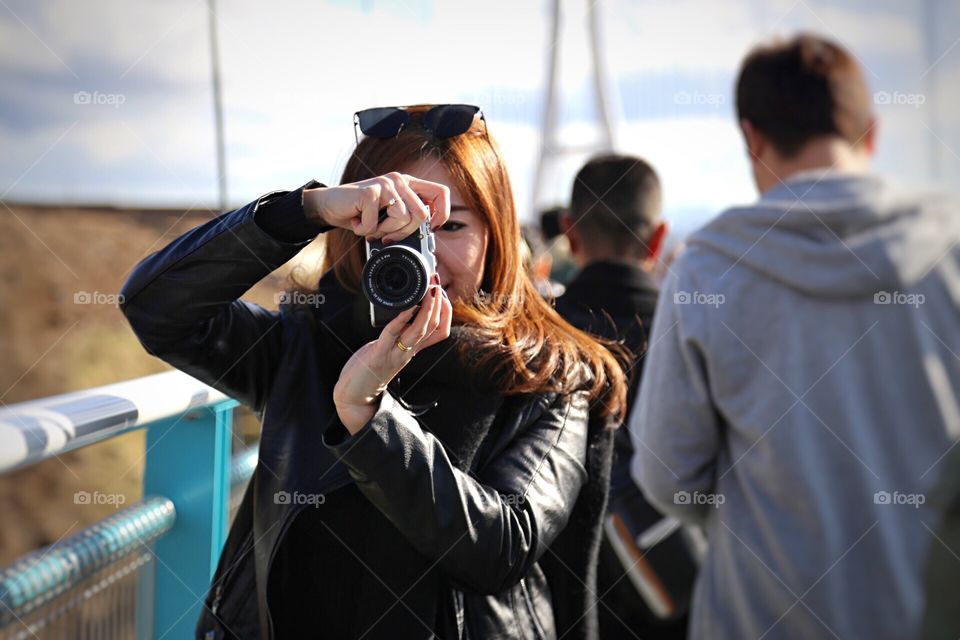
217 107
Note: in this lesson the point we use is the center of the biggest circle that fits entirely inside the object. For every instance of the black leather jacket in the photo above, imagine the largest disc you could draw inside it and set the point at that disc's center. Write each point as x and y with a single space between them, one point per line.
183 304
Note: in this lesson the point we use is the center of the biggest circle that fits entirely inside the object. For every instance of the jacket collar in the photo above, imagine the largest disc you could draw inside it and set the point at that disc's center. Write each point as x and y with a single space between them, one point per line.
345 318
611 273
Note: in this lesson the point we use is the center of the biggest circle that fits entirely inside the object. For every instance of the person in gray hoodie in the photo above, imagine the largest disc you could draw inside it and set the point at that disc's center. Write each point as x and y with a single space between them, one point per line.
803 381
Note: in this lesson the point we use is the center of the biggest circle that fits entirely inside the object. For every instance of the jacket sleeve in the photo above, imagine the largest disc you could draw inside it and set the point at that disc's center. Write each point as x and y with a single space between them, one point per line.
674 425
182 301
485 531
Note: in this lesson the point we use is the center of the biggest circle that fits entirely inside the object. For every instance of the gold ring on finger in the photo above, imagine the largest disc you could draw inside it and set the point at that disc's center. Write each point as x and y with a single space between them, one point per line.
402 346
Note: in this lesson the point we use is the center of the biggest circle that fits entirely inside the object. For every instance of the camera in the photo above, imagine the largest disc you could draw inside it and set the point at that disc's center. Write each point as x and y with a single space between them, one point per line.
397 276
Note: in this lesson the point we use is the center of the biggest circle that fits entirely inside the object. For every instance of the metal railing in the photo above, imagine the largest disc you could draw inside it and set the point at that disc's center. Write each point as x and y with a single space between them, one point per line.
142 572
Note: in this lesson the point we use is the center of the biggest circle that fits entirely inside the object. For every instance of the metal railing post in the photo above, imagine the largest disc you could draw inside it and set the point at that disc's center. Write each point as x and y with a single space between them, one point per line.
188 461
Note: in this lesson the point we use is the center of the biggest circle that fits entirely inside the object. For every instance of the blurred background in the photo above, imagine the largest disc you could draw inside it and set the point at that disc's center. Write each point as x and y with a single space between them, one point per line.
110 145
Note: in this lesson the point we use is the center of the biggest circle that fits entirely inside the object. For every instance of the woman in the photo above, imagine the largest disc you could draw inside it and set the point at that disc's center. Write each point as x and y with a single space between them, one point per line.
440 477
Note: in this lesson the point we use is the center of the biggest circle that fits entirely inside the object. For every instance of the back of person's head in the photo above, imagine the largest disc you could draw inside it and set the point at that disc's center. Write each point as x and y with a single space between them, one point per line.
550 222
616 205
797 90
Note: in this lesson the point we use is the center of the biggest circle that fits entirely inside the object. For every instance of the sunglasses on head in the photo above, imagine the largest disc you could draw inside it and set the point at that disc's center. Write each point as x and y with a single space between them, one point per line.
440 121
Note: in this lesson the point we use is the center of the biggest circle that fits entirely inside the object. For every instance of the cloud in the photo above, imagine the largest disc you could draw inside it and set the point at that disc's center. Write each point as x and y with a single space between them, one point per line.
158 39
294 72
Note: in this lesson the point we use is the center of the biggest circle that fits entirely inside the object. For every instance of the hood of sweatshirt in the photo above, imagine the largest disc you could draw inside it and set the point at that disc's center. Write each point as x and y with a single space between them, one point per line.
838 235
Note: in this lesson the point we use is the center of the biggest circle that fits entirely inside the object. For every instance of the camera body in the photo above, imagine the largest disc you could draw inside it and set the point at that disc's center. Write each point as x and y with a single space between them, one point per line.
397 276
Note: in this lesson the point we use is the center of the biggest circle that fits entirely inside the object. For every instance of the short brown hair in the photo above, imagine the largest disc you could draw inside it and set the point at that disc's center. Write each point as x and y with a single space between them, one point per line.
615 193
795 90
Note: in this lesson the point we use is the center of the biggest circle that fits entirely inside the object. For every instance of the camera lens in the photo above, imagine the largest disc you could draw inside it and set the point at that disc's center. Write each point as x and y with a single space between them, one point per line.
395 278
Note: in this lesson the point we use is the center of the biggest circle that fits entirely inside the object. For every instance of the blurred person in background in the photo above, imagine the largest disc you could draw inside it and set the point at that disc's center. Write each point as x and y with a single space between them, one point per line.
438 478
616 231
539 262
550 224
802 381
563 267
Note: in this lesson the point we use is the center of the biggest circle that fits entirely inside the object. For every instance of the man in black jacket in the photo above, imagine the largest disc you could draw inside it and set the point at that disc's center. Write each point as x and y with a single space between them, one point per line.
616 232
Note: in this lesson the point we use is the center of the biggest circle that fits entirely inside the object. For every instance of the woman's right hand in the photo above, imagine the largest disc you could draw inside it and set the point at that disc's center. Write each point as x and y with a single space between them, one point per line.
356 206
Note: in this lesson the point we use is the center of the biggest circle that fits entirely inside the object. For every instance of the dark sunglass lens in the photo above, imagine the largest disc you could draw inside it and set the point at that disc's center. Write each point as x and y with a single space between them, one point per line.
449 120
384 122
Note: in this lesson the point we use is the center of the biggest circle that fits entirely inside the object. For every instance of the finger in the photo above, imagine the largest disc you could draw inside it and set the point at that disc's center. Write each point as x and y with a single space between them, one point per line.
435 314
436 208
417 331
396 212
399 234
446 316
439 197
442 332
393 356
397 186
369 209
417 211
392 224
396 326
435 317
389 228
424 328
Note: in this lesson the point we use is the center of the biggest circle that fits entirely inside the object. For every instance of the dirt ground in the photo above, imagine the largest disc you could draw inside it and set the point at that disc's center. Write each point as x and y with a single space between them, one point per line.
52 343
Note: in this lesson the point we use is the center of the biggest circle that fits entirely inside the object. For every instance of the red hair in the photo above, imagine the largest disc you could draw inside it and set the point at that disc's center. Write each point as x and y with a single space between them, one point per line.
521 340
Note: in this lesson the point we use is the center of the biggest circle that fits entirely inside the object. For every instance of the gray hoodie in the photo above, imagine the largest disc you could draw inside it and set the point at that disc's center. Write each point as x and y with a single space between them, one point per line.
801 389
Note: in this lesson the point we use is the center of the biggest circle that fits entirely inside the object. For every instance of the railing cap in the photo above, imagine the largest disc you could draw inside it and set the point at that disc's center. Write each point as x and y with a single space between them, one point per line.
42 428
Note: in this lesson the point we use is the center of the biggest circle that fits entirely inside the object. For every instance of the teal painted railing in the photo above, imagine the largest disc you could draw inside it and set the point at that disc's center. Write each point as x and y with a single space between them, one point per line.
144 571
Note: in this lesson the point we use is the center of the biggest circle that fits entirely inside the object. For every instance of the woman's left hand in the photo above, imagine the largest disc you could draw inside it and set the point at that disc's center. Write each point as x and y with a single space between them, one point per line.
374 365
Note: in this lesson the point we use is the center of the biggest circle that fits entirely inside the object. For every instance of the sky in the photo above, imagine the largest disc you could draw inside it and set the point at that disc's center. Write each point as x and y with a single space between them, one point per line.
110 101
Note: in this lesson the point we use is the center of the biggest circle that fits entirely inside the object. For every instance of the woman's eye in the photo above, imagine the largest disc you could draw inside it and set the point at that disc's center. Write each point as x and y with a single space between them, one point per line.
453 226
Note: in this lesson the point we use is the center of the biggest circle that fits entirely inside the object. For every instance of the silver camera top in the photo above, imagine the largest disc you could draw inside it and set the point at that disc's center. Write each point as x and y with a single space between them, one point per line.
397 276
